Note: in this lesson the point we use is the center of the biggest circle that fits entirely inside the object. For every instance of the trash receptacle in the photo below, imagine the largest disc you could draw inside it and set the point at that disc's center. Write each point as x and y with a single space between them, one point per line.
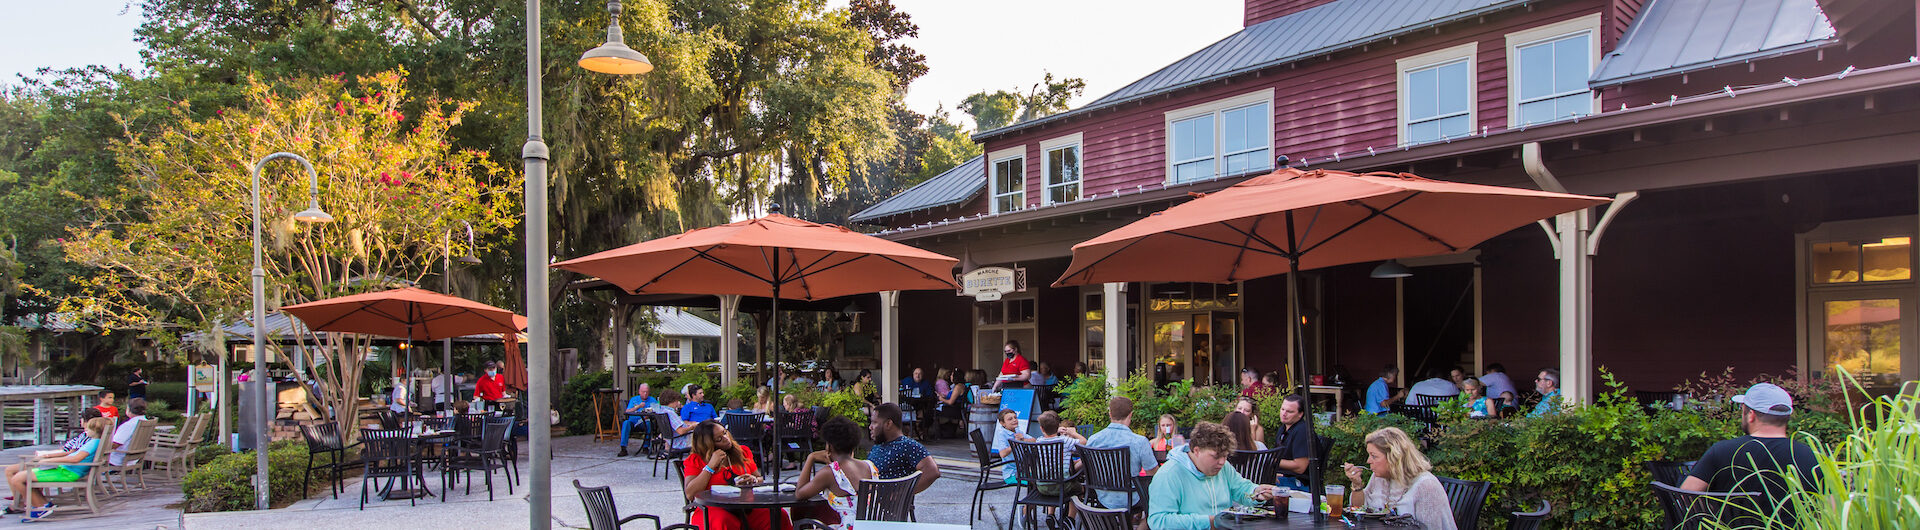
248 429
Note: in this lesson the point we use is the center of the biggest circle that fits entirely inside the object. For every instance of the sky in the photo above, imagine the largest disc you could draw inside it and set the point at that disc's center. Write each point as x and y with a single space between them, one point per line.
970 45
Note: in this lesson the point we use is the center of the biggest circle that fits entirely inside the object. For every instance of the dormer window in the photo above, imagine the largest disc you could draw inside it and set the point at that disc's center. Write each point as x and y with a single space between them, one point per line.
1436 95
1007 175
1547 71
1225 138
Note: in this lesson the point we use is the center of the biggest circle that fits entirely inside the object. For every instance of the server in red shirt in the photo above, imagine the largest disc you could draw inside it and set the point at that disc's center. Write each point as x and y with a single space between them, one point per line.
492 386
1015 368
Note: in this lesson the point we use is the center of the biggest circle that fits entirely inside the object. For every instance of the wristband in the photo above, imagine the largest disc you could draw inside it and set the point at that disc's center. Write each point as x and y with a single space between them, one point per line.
708 469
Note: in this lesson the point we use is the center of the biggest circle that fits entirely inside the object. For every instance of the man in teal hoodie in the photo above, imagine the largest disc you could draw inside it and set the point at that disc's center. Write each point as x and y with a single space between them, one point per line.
1197 483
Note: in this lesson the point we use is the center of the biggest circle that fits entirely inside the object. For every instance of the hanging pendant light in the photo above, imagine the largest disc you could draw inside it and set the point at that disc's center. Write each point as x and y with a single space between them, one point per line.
614 57
1391 269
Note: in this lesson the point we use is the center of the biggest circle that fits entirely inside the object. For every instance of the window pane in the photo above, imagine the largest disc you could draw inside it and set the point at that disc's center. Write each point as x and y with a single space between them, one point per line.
1196 137
1010 202
1421 91
1887 260
1536 112
1233 130
1423 132
1570 68
1863 336
1536 71
1454 127
1067 193
1836 262
1192 171
1063 165
1453 88
1579 104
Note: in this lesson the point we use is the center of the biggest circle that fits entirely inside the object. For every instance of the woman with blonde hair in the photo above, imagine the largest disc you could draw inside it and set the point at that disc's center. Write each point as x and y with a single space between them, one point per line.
763 401
1402 481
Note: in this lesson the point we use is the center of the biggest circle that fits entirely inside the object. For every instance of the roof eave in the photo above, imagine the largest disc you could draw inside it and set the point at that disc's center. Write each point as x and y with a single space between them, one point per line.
1736 59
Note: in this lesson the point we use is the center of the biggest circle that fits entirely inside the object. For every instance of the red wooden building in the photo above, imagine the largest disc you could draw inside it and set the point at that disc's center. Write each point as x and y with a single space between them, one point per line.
1761 153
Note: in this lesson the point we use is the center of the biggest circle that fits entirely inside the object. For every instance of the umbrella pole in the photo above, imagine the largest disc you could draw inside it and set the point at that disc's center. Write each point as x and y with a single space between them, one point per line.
1318 488
774 354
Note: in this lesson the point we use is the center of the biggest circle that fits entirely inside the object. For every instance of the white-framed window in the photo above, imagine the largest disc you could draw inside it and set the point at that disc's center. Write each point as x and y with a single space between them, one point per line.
1224 138
1436 94
1007 179
1547 71
667 351
1060 170
1858 307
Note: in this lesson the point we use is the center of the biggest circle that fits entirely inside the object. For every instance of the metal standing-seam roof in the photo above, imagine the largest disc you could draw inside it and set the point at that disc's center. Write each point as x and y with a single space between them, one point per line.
1675 36
1312 32
676 322
954 186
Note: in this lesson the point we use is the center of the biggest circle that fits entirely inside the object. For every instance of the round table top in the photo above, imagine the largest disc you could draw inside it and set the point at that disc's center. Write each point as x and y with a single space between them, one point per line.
747 498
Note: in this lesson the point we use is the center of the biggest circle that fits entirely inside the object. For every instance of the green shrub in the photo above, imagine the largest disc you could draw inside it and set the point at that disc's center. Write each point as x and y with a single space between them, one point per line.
741 389
808 395
576 400
226 482
1086 401
207 452
161 410
695 374
845 403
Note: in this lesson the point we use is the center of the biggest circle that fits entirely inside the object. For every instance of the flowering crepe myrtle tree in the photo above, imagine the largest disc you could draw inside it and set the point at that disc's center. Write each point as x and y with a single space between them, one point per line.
177 253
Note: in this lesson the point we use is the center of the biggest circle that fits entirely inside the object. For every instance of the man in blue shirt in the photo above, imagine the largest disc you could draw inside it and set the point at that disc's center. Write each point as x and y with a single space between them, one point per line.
1120 434
697 409
917 382
1378 399
1548 383
642 400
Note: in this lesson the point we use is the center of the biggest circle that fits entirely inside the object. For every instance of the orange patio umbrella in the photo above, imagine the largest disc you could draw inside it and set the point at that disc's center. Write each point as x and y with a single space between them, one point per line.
774 257
1288 220
409 313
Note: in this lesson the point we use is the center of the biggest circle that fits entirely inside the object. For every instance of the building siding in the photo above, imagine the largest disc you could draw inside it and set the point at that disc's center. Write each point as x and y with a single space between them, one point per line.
1615 21
1343 104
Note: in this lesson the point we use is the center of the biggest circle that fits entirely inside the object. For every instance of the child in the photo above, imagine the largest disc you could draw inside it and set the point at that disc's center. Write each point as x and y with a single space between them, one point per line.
1003 436
1052 432
842 437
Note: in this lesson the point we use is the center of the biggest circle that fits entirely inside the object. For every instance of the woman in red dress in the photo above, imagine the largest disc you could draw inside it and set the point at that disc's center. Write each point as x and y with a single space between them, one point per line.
717 461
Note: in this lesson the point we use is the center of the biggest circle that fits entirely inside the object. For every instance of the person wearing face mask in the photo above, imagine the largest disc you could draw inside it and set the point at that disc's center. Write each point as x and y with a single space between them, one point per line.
492 386
1015 368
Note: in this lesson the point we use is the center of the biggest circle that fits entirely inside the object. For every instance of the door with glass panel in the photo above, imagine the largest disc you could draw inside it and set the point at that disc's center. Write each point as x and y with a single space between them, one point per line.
1221 355
1861 310
1169 346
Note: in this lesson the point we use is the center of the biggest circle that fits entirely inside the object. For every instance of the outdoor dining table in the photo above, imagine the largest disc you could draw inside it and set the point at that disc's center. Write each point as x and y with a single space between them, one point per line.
421 442
747 500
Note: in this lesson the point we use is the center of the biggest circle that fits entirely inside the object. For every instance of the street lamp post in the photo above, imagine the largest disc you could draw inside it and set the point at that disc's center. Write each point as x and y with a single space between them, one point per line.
262 397
613 57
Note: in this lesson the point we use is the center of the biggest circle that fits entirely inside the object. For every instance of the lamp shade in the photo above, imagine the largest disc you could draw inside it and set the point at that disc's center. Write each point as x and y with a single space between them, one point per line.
1391 269
313 214
615 57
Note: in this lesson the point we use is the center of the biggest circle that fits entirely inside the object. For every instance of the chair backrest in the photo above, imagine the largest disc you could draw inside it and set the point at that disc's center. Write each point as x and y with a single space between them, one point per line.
142 440
389 419
1667 472
1421 413
885 500
800 424
197 429
1421 399
1040 462
661 424
385 449
437 423
747 426
467 426
1466 497
317 441
601 514
1531 520
1087 517
1257 466
1110 469
493 434
982 450
1690 509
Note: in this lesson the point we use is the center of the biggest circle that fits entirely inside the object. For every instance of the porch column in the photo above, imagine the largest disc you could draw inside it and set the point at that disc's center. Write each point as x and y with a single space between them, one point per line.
622 322
890 347
1576 305
729 339
1113 302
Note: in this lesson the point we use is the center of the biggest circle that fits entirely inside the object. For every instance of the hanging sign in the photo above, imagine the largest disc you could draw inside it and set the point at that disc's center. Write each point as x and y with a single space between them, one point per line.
987 284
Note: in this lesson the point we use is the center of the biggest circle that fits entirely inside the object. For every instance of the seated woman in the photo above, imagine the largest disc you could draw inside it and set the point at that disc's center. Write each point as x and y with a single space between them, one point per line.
1196 483
48 471
717 461
1166 435
1402 481
845 472
1245 405
763 401
1242 429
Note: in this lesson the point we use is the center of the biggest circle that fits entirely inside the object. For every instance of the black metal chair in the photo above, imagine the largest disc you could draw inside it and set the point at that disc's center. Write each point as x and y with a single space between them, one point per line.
1420 413
323 438
886 500
1087 517
1467 497
1665 400
1257 466
1689 510
748 429
1041 466
1425 400
989 461
485 455
1111 469
602 515
388 419
660 448
798 431
389 454
1671 473
1531 520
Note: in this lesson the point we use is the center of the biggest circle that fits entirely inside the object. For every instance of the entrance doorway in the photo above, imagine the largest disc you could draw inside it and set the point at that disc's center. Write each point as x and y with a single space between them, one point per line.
1437 305
1202 346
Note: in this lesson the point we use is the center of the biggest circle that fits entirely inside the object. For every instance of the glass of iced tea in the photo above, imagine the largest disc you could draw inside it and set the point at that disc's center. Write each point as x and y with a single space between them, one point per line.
1336 500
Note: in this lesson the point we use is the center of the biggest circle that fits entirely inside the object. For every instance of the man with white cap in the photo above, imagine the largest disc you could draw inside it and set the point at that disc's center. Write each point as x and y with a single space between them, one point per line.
1758 461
